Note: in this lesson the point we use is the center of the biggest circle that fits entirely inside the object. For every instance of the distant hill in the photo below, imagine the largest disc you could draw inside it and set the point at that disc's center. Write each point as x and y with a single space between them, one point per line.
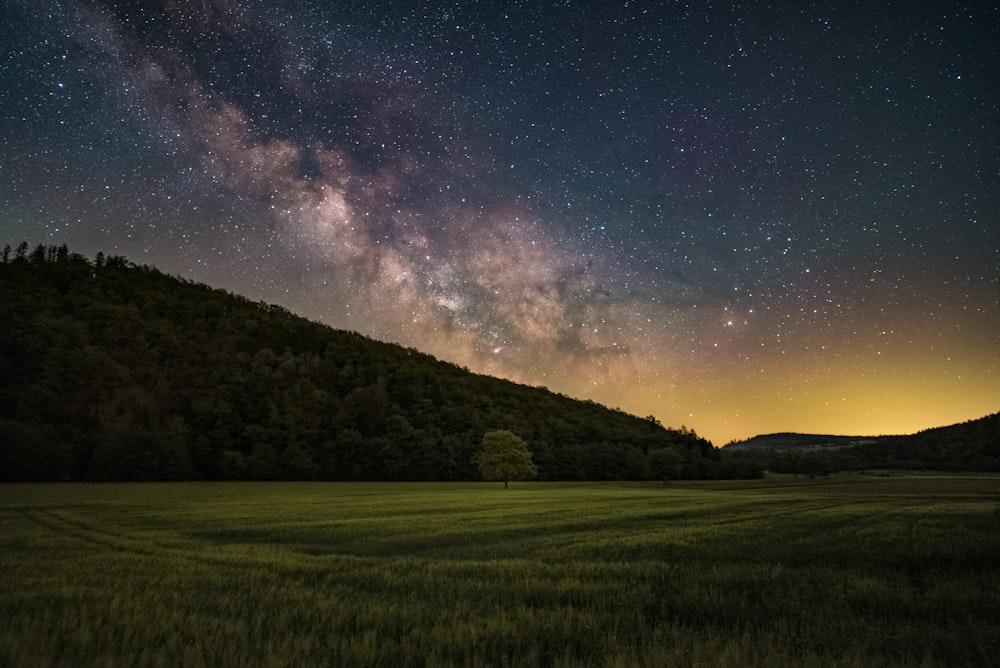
112 371
969 446
791 440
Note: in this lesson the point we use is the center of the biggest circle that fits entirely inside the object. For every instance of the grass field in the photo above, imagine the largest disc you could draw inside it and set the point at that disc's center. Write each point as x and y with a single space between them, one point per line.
851 571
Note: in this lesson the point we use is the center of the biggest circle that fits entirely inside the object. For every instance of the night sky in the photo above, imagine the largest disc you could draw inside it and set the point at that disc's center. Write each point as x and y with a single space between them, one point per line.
740 218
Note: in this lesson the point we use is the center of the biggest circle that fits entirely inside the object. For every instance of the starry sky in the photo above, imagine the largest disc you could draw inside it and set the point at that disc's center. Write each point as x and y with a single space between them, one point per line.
744 218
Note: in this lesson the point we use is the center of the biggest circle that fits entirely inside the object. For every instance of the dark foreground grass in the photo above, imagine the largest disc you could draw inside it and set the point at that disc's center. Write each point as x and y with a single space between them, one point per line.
850 571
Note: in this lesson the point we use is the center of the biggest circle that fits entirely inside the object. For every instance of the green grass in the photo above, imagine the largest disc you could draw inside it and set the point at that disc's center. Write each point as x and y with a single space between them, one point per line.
849 571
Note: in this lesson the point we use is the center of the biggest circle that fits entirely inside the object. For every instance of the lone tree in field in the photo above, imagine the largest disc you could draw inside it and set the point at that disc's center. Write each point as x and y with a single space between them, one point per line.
506 457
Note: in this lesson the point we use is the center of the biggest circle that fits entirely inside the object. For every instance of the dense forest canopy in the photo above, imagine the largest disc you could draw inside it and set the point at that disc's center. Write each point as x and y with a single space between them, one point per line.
112 371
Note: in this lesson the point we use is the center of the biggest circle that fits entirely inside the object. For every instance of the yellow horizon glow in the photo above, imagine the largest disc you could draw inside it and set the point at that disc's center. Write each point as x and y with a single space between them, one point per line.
871 395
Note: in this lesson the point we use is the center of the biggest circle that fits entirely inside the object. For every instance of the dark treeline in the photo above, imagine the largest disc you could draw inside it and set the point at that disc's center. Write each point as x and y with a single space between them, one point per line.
970 446
112 371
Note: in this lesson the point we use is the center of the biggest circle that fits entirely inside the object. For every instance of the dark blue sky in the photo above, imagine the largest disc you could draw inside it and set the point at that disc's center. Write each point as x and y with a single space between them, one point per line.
738 217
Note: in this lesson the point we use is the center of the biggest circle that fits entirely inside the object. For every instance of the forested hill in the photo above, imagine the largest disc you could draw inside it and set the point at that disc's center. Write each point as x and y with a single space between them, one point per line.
111 371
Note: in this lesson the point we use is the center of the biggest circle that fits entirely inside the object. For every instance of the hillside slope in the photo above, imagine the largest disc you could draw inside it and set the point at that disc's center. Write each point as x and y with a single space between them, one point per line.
111 371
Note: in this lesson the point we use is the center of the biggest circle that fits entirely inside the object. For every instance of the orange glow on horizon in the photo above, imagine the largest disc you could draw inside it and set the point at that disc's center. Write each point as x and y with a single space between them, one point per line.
889 396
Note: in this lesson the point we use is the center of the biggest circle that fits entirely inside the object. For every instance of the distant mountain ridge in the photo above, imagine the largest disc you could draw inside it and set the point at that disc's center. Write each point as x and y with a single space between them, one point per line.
795 440
969 446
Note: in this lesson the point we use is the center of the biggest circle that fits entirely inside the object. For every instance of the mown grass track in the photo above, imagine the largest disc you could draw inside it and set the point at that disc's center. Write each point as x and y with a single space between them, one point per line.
852 570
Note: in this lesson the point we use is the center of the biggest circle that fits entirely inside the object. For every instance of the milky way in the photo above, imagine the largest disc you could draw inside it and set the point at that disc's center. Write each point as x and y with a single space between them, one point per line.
744 220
